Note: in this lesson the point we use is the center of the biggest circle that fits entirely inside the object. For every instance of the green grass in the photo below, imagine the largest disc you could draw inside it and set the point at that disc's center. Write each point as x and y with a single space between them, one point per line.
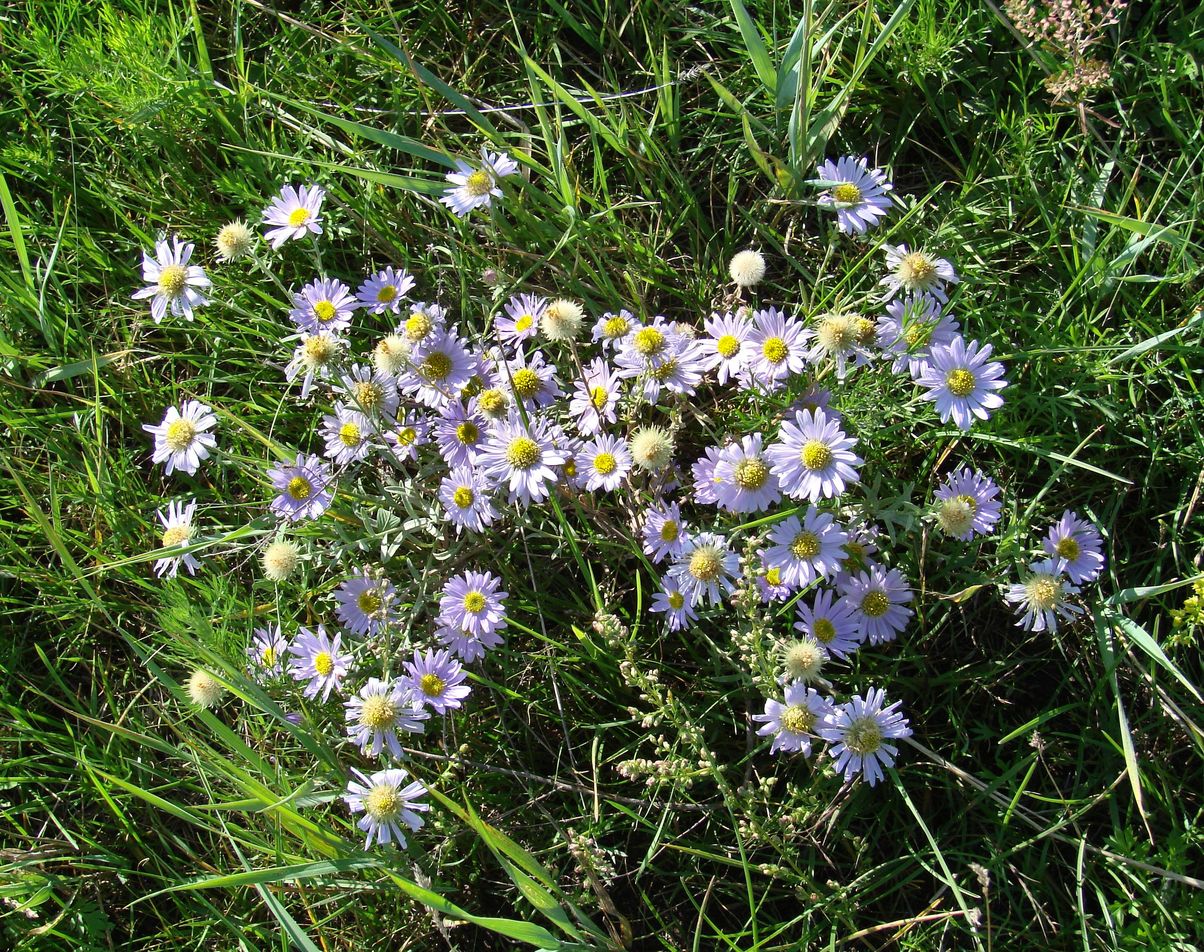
1068 768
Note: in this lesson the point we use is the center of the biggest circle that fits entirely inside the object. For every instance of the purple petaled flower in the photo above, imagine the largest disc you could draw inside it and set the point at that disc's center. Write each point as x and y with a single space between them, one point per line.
816 398
604 462
319 660
521 321
425 320
725 344
177 531
439 368
831 622
437 680
803 550
961 382
348 434
706 569
385 291
967 504
678 611
1078 543
474 603
409 432
813 457
379 711
323 305
465 646
643 351
303 487
706 483
860 732
680 371
181 440
855 191
524 456
664 534
794 721
844 338
877 598
387 802
530 379
911 327
1043 598
266 653
769 582
295 212
365 603
172 281
917 272
743 480
776 348
314 356
459 430
477 187
612 328
595 398
465 497
370 391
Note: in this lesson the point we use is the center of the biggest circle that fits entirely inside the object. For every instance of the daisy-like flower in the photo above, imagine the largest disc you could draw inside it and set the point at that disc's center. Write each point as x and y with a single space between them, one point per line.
476 188
861 732
465 498
806 549
370 391
604 462
676 608
1043 598
437 681
962 383
319 660
440 367
595 397
967 504
296 212
181 439
348 434
664 534
388 803
524 456
234 241
642 351
365 603
742 477
385 290
769 582
724 348
917 272
266 652
777 348
410 431
177 531
474 603
314 356
530 379
325 304
459 430
425 319
855 191
1077 543
878 598
839 337
465 646
831 622
520 322
794 721
911 327
747 268
379 711
706 569
813 457
304 487
611 328
171 281
702 473
680 369
804 659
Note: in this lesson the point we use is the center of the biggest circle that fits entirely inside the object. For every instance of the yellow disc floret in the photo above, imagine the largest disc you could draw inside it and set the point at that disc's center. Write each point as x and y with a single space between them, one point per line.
180 434
847 193
805 546
815 455
300 488
526 383
172 280
960 382
378 712
750 474
383 803
863 736
798 719
775 350
298 217
323 663
431 684
523 452
464 497
478 183
875 604
474 602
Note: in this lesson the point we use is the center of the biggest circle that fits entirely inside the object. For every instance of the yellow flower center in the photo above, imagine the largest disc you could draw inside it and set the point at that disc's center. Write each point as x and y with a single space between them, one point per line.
478 183
750 474
468 433
474 602
798 719
728 346
180 434
823 630
406 436
815 455
323 663
298 217
665 370
325 311
378 712
916 270
350 435
387 294
875 604
1068 548
299 488
604 464
523 322
1043 591
616 327
369 601
960 382
775 350
268 656
318 349
492 402
464 497
847 193
917 334
570 468
172 279
383 803
706 564
955 516
773 577
598 396
369 395
670 531
863 736
431 684
176 535
418 325
805 545
676 600
436 367
527 383
836 333
523 452
864 330
649 341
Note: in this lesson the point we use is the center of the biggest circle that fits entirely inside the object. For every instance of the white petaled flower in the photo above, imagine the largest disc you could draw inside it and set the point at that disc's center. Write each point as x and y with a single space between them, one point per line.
747 268
967 505
181 439
385 291
1043 598
348 434
855 191
917 272
595 397
524 456
171 281
465 498
314 357
795 720
861 732
371 392
911 327
520 322
803 550
777 348
295 213
378 712
604 463
1078 543
706 569
664 533
878 598
477 187
963 382
324 304
388 804
743 479
831 622
843 338
725 349
177 531
440 367
671 603
813 457
612 328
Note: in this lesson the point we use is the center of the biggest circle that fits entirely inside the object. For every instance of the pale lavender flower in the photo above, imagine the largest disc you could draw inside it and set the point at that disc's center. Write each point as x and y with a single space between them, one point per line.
379 711
439 368
477 187
911 327
465 497
1043 598
466 646
177 531
295 212
303 486
410 431
813 457
437 681
878 598
664 534
680 370
348 434
365 603
831 622
917 272
1079 545
266 652
530 379
962 383
314 356
726 343
844 338
776 348
967 504
769 582
459 431
643 351
678 610
742 477
611 329
474 603
524 456
171 281
702 473
855 191
181 439
860 732
387 802
370 391
806 549
324 304
605 462
706 569
520 323
794 721
426 319
595 398
385 290
319 660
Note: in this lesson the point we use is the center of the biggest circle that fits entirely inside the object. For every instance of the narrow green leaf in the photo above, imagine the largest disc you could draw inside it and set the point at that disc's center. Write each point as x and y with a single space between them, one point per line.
755 46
